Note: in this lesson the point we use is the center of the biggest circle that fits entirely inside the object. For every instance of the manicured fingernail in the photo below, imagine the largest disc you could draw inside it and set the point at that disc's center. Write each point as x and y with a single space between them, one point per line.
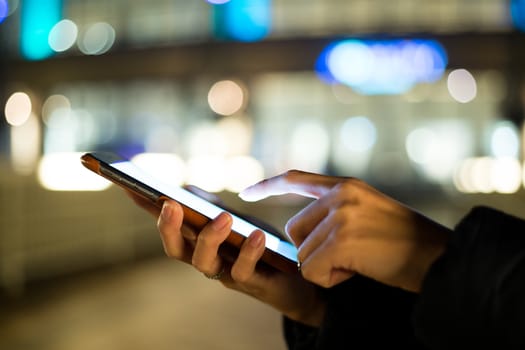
255 239
221 221
166 212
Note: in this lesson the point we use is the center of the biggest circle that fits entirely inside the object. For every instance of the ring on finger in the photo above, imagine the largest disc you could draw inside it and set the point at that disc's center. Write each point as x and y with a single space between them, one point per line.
216 276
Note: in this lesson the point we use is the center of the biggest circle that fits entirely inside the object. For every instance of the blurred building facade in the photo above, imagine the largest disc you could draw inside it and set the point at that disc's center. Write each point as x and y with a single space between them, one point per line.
423 100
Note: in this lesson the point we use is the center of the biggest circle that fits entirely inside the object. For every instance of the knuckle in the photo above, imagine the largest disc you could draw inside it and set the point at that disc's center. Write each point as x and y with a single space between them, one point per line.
239 275
314 277
291 226
291 175
205 240
308 274
348 187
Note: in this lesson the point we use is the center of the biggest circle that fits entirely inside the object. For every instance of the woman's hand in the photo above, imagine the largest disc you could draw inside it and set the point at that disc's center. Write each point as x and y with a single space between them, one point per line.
290 294
352 228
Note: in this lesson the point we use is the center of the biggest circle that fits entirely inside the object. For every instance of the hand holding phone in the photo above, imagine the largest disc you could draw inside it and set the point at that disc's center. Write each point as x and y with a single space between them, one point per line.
279 253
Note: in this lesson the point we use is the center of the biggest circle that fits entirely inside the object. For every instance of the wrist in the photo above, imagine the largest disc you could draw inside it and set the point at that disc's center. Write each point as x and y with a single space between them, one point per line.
311 312
434 245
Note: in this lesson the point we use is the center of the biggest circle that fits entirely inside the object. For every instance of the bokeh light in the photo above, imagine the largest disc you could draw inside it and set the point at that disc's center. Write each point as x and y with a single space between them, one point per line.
18 108
36 20
506 175
160 139
4 10
237 135
351 62
63 35
381 66
205 139
309 147
487 175
462 176
63 129
439 147
358 134
480 176
64 172
54 103
241 172
504 141
242 20
462 85
421 145
226 97
97 39
517 12
352 151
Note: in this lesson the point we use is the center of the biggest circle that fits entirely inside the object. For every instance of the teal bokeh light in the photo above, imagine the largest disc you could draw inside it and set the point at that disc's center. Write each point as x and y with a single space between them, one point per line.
242 20
37 19
517 12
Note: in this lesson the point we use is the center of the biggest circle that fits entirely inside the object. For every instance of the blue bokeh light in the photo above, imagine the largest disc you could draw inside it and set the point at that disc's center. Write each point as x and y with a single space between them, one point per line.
242 20
517 12
4 10
37 19
381 66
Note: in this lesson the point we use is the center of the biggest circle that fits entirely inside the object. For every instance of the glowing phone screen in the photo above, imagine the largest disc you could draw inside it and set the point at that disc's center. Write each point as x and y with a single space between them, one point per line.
206 208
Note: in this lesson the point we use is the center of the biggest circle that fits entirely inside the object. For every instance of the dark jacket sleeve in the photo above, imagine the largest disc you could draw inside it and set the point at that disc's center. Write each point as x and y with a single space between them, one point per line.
474 295
360 314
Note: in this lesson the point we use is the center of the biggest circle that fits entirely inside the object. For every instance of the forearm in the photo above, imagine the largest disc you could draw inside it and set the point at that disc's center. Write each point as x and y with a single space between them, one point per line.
473 294
360 314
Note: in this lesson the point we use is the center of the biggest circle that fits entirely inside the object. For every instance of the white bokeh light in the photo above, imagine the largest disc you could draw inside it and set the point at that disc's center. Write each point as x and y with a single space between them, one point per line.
64 172
358 134
488 175
308 147
18 108
97 39
439 148
226 97
462 85
504 141
242 171
63 35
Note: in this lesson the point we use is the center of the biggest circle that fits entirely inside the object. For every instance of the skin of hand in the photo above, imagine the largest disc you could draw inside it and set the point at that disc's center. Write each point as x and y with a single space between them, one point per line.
290 294
350 227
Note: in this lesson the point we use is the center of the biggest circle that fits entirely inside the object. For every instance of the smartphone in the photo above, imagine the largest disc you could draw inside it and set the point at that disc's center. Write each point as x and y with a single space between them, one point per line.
279 253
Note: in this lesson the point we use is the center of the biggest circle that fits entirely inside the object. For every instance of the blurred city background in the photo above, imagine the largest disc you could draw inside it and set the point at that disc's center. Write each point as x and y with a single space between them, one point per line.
422 99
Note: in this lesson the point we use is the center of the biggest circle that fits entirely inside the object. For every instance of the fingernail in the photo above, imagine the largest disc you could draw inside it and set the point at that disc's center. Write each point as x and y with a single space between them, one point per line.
221 221
166 212
246 194
255 239
242 195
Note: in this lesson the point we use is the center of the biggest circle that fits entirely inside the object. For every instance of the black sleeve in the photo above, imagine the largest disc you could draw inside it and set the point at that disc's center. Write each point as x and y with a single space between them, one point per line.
360 314
474 295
